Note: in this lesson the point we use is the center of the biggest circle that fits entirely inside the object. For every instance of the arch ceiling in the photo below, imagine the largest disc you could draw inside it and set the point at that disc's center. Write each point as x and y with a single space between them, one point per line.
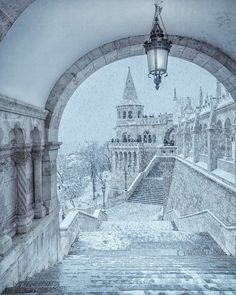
45 38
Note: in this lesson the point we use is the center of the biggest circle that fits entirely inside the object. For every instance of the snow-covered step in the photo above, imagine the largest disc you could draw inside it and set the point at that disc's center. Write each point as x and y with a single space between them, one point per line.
149 191
166 242
135 253
136 225
119 274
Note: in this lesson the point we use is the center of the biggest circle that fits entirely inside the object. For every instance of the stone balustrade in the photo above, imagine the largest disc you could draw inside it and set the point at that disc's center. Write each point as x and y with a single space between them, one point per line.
166 151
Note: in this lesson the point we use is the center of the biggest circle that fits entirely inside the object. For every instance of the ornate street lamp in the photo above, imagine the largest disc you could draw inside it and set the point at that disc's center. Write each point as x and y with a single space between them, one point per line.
103 196
157 48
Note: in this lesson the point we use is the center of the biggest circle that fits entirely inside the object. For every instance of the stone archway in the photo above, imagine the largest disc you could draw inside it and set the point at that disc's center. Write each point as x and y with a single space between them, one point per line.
205 55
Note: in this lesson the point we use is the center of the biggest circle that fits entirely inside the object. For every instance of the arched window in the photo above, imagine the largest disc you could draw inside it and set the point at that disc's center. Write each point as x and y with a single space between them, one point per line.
139 114
154 139
228 139
116 160
145 136
139 139
130 115
119 114
149 138
135 161
124 115
124 137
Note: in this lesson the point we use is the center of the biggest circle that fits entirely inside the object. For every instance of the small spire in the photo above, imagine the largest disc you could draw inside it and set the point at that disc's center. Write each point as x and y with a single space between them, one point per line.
218 90
200 97
175 97
130 94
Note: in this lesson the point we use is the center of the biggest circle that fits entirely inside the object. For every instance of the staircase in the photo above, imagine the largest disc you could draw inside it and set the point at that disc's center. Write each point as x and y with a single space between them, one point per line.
137 256
149 191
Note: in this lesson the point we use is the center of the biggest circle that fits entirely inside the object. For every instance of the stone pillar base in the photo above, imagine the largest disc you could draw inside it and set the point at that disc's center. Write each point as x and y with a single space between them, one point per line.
48 206
24 223
5 244
39 210
228 158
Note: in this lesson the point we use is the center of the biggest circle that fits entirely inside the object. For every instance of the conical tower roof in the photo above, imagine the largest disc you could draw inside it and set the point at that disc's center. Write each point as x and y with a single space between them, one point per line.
130 95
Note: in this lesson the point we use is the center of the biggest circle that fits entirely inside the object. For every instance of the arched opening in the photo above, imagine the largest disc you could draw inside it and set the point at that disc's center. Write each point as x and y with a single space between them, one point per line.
73 78
60 95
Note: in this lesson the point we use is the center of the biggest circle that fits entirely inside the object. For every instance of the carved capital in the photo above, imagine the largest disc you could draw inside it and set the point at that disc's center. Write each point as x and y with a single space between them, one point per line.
37 154
21 156
3 161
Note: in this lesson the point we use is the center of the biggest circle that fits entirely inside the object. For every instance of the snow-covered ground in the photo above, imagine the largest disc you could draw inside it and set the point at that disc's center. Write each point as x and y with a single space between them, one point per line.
85 199
132 226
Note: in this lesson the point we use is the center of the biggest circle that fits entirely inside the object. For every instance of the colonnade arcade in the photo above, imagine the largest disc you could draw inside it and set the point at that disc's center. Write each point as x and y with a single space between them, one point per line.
209 139
125 161
28 166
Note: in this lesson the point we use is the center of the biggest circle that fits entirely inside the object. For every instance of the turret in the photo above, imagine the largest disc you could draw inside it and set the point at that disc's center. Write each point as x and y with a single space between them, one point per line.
130 107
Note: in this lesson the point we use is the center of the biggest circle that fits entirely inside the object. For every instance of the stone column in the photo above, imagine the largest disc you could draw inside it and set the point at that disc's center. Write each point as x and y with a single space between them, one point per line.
211 148
24 213
39 209
228 145
50 177
234 131
185 144
195 146
5 239
177 140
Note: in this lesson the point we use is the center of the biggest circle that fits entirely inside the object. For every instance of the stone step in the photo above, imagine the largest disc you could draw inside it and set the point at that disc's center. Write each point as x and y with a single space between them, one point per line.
135 225
149 191
122 284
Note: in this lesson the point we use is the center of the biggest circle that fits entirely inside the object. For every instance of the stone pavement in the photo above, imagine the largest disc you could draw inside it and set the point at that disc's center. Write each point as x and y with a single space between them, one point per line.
137 256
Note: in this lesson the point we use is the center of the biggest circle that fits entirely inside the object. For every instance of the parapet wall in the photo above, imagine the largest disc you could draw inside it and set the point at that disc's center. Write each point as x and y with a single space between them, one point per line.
194 190
31 252
200 202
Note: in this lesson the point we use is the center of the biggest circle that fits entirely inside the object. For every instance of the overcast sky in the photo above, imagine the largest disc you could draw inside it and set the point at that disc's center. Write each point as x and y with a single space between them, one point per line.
91 115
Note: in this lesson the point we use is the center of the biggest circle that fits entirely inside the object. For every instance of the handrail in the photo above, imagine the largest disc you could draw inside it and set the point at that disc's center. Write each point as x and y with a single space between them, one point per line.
227 227
140 176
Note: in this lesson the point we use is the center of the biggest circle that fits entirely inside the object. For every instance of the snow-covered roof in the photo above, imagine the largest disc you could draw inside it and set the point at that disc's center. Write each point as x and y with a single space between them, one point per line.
130 95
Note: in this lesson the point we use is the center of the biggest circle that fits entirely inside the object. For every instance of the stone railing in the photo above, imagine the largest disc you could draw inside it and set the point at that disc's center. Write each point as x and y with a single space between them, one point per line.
121 144
152 121
162 151
166 151
206 221
140 176
77 221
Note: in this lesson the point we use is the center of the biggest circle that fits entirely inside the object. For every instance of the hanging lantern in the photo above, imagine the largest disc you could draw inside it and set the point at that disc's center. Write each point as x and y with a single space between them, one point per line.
157 48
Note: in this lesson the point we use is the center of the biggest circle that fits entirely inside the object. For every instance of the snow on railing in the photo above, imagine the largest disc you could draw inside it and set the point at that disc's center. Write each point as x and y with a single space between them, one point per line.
166 151
224 235
140 176
176 212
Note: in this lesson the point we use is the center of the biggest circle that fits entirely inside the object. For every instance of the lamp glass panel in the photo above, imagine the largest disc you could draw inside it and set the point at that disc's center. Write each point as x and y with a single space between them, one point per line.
157 60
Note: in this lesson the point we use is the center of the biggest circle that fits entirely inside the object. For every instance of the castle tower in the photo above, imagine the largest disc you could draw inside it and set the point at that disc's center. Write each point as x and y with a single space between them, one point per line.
130 108
136 140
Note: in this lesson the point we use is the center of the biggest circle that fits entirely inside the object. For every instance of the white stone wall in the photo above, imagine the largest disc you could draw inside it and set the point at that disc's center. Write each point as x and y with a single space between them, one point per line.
29 219
26 118
192 190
